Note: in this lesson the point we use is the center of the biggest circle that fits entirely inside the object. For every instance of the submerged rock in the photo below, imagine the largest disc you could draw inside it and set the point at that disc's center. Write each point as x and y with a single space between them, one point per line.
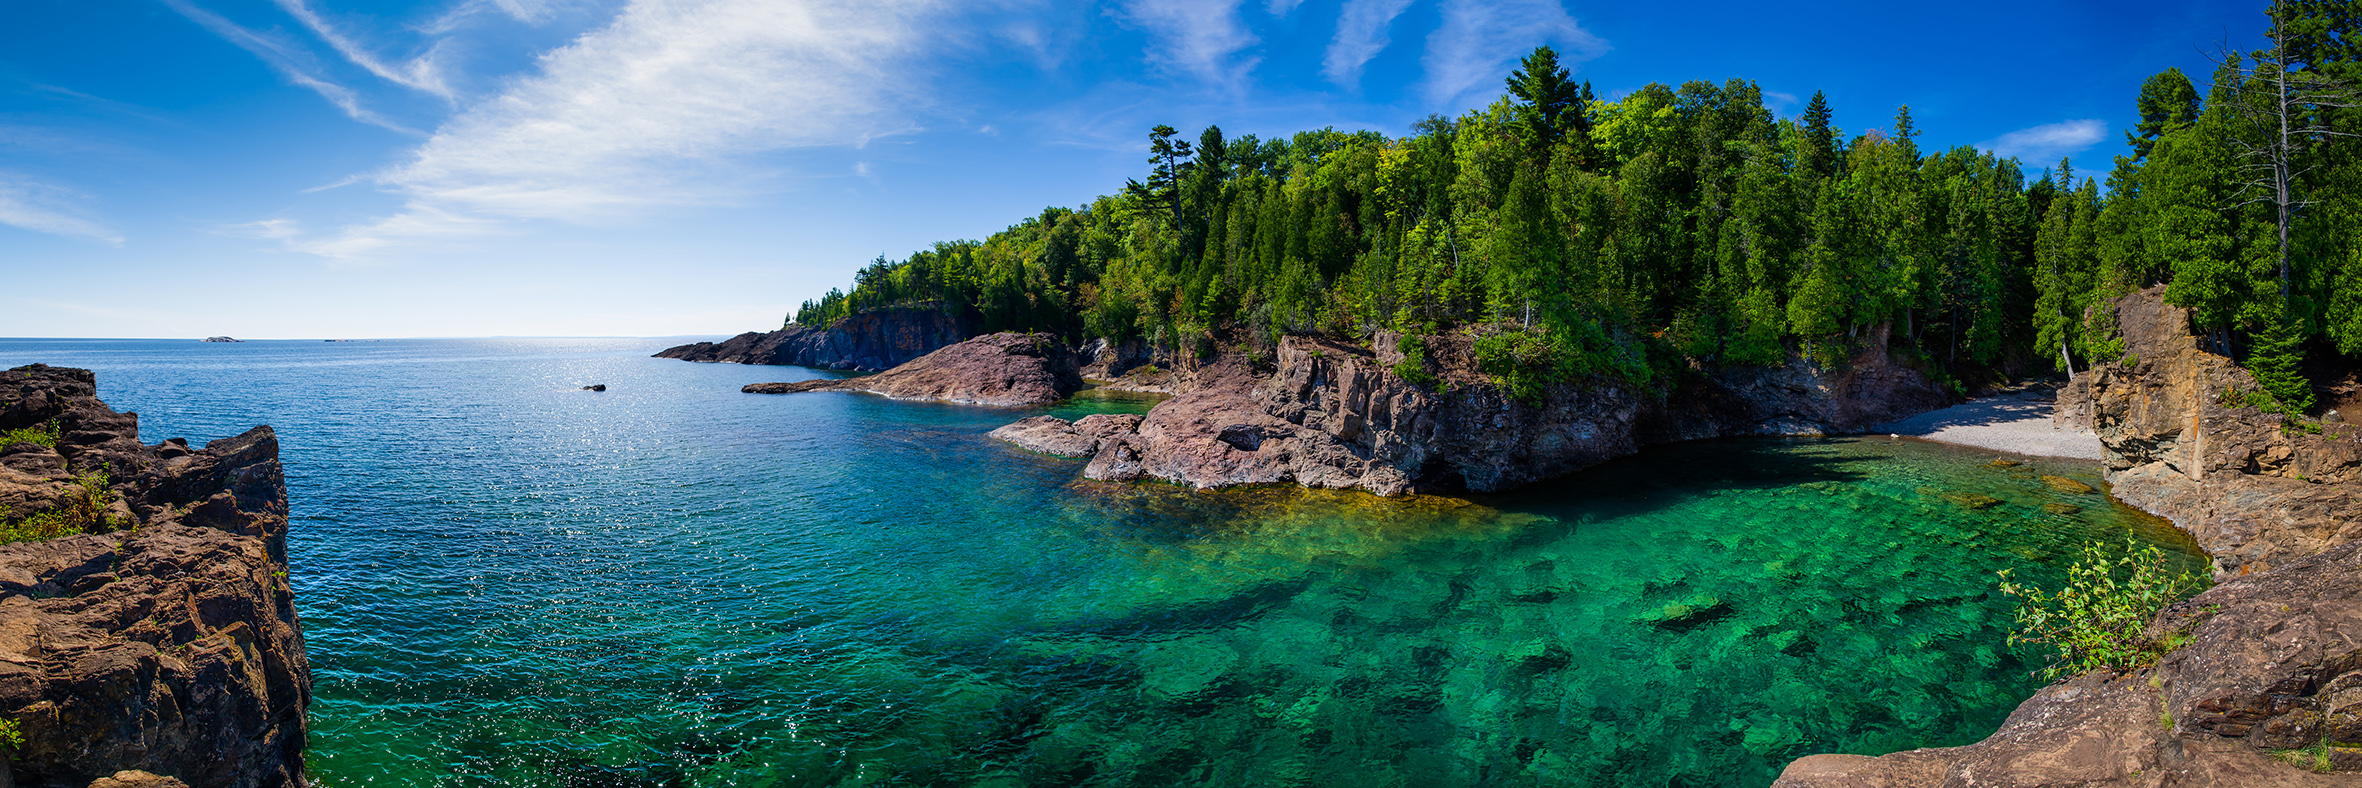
1005 369
2066 485
169 646
2003 464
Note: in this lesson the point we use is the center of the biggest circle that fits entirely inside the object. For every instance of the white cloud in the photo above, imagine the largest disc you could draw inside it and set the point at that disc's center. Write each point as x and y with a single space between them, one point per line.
419 74
1361 35
660 107
1199 38
289 60
1282 7
2043 143
1479 39
46 209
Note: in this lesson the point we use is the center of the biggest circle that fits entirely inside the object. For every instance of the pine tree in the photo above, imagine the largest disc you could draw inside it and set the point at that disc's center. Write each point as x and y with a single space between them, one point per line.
1816 155
1553 103
2167 101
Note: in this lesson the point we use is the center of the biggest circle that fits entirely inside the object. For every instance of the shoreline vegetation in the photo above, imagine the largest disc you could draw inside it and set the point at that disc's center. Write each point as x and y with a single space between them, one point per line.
1630 242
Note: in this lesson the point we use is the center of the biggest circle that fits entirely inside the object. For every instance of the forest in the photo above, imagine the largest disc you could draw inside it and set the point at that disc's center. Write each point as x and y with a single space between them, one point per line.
1575 236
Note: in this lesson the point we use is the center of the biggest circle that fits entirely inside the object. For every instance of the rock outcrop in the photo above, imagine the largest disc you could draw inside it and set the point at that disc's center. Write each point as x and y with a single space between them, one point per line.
869 341
2273 665
1006 369
2254 489
160 647
1339 416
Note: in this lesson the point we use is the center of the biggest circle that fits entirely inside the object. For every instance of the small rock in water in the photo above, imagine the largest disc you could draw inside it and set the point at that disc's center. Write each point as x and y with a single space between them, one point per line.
2064 484
2062 508
2003 464
595 387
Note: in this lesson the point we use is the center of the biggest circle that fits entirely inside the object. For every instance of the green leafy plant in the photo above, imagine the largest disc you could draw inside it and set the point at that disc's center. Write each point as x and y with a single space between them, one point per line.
83 510
10 736
1413 366
44 434
2100 619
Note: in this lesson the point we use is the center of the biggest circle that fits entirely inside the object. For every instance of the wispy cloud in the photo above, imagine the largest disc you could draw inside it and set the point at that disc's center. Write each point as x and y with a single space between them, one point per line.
419 74
1198 38
661 107
1361 35
42 208
1282 7
2048 141
289 60
1480 38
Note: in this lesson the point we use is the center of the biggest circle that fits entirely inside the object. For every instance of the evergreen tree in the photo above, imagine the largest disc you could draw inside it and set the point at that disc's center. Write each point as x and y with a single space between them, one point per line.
1552 103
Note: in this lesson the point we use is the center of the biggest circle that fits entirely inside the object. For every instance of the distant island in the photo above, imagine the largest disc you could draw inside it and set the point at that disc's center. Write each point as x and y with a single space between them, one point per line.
220 339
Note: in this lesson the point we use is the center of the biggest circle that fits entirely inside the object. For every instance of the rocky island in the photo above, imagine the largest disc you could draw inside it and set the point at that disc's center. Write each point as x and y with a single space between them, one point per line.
148 636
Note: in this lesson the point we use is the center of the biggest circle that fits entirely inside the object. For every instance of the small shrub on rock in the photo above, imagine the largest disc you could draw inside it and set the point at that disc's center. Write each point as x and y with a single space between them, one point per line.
2100 619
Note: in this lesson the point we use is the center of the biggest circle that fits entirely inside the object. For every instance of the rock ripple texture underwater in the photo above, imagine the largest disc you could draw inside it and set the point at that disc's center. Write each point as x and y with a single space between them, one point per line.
506 580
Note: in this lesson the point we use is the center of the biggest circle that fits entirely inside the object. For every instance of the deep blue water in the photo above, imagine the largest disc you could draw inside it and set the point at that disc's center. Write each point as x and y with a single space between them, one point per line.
508 581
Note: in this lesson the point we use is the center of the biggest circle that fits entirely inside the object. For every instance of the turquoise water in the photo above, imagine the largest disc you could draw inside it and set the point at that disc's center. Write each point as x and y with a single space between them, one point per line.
506 581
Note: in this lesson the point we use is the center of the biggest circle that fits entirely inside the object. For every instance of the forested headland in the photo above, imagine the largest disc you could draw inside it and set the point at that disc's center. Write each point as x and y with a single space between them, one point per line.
1574 236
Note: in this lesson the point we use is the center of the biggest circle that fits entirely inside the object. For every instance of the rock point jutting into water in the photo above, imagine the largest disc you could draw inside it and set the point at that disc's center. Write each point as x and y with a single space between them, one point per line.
1336 415
1006 369
874 340
2273 662
163 639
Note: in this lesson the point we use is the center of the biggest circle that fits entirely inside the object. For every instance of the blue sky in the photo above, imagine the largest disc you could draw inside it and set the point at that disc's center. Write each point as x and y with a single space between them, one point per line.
388 168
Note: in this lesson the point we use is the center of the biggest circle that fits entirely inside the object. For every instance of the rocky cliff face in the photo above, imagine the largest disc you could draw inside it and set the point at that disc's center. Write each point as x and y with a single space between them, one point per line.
1006 369
873 340
2255 490
166 640
1338 416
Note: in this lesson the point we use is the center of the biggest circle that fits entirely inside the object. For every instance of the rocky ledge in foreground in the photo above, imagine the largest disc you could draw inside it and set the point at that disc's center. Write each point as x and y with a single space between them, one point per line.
1340 416
2271 676
869 341
165 642
2254 489
1006 369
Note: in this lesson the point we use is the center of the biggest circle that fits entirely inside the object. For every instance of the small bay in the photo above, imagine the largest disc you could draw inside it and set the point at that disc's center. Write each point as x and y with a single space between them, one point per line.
506 580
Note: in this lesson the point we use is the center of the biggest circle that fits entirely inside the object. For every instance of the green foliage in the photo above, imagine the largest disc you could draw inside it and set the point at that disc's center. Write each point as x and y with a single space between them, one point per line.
83 510
2276 360
43 434
1684 223
2099 620
1413 366
11 736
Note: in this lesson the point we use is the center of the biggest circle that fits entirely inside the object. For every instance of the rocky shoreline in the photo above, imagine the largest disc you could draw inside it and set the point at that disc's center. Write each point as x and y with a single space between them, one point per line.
161 647
872 341
1335 415
1003 370
2273 662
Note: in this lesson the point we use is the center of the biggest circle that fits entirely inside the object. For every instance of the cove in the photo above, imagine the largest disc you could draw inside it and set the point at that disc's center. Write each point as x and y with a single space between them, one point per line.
506 580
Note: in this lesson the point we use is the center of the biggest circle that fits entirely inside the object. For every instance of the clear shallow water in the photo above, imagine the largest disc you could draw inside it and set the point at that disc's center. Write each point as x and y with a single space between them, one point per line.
505 581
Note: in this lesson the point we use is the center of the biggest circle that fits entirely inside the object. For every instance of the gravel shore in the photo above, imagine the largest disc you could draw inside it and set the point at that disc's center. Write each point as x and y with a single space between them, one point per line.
2017 422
